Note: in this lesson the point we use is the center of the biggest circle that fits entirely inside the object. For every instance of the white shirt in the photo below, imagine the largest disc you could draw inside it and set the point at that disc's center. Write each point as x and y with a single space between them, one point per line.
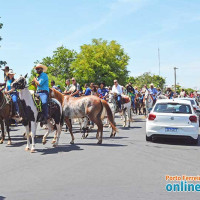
117 89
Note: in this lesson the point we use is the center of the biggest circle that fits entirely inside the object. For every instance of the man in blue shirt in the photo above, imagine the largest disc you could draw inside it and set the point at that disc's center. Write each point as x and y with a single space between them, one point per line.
102 91
153 92
87 90
42 84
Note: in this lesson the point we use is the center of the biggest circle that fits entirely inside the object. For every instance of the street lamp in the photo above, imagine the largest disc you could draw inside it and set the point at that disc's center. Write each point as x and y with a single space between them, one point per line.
175 68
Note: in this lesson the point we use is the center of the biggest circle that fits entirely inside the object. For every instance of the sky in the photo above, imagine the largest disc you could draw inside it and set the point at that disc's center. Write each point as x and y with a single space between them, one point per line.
33 29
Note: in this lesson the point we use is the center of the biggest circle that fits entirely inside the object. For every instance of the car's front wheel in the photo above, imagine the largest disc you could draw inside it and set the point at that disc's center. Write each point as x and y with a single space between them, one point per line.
148 138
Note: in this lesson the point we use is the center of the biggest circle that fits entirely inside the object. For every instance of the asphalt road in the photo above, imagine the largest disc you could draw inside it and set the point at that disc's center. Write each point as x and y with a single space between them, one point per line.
125 167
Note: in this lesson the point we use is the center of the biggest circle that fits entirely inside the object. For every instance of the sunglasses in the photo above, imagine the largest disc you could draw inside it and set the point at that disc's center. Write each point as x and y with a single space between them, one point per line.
38 69
73 80
115 82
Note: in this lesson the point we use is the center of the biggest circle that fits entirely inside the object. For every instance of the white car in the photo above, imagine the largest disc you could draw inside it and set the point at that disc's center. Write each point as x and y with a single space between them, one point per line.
195 105
172 118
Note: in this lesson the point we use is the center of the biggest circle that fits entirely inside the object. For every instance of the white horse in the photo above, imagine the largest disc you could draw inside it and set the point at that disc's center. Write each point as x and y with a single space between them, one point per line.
29 113
148 101
125 107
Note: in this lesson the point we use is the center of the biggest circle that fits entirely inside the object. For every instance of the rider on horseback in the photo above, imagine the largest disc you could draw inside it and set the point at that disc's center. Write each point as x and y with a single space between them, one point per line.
42 89
117 89
12 91
102 91
131 93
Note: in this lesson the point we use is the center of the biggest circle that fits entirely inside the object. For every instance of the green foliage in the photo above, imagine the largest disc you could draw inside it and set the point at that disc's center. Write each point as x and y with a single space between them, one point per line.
101 61
130 79
189 90
2 63
57 80
147 78
58 65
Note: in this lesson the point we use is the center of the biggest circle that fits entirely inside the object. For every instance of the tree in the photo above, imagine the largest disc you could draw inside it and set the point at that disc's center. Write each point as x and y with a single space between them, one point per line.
2 62
147 78
130 79
58 65
101 61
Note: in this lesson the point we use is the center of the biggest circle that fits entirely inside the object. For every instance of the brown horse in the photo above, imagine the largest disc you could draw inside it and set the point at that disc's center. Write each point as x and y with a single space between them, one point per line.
87 106
5 110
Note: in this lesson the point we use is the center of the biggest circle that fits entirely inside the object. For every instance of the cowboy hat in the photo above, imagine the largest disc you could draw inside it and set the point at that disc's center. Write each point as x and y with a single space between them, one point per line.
5 68
11 72
151 84
41 66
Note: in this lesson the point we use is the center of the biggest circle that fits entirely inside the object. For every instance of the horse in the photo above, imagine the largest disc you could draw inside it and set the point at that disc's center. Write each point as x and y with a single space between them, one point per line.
137 104
91 107
5 110
125 107
29 113
148 99
141 102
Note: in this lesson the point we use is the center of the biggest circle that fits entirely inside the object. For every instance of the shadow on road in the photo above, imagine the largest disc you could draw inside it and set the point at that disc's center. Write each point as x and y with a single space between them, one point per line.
175 141
60 148
129 128
17 144
101 145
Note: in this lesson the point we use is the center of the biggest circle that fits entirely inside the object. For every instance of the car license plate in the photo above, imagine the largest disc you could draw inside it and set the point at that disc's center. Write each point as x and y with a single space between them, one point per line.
168 129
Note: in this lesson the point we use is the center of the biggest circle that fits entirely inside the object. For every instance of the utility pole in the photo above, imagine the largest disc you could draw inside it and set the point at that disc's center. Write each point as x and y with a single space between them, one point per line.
175 68
159 60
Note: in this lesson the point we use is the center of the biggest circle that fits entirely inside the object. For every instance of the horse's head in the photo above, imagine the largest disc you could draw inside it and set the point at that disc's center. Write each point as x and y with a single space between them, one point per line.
111 98
20 83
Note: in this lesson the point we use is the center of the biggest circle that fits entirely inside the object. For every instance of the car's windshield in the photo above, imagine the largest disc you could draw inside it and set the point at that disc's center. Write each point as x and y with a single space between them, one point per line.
172 108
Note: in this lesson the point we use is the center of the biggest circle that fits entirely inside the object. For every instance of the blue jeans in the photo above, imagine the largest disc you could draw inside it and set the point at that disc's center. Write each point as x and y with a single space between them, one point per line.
44 98
14 97
119 101
133 101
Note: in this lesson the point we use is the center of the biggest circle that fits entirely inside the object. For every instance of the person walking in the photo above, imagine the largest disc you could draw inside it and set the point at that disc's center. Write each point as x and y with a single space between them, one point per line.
153 92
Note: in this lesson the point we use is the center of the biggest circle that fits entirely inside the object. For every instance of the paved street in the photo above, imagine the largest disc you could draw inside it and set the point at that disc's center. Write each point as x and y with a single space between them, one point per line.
125 167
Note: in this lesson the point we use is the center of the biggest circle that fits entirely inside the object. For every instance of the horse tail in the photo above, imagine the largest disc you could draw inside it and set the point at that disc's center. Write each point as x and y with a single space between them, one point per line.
109 114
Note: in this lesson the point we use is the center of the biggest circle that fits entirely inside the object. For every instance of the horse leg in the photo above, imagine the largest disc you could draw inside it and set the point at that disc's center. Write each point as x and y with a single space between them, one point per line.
67 120
8 131
85 128
33 131
58 126
124 114
80 121
145 113
28 138
2 131
50 129
97 120
129 115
